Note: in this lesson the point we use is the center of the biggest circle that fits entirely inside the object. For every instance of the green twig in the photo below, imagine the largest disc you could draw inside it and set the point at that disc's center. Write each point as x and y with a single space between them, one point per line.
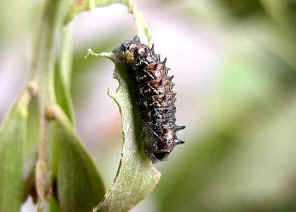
42 72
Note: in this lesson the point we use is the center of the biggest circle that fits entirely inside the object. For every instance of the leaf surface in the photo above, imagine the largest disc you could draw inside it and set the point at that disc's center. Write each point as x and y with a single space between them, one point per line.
12 139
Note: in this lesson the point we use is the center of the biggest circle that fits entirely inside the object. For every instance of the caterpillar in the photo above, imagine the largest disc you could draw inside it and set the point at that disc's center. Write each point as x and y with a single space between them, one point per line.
154 96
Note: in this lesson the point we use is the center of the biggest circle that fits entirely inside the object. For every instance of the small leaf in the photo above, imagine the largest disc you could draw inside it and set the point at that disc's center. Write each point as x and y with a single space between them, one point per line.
12 139
136 177
80 187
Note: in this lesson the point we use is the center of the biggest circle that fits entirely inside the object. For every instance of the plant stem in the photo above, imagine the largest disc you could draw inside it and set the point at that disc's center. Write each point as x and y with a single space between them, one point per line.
42 72
63 74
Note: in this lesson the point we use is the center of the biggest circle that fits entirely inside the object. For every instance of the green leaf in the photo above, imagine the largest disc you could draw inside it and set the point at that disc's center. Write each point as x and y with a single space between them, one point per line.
80 187
136 177
12 139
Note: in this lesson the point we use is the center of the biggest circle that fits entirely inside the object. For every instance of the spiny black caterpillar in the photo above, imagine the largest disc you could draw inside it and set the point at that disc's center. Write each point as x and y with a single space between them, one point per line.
154 96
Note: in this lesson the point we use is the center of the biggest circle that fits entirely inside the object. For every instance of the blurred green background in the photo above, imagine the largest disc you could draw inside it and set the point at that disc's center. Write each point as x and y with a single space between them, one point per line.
235 72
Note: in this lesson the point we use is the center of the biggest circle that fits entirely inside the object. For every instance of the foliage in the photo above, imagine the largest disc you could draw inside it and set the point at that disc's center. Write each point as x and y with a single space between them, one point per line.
239 109
40 149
